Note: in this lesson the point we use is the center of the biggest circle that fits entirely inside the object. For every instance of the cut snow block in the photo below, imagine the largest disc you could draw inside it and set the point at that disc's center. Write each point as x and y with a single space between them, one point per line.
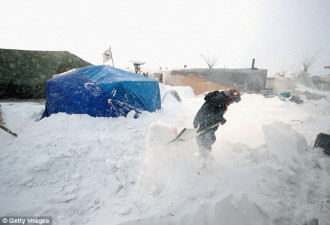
232 211
160 133
323 141
284 142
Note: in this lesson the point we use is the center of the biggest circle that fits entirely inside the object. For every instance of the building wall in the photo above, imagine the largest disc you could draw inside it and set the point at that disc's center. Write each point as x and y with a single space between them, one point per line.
199 85
202 80
281 85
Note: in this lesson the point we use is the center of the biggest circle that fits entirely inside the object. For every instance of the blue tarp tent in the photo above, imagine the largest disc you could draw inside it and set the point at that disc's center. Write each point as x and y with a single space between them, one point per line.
101 91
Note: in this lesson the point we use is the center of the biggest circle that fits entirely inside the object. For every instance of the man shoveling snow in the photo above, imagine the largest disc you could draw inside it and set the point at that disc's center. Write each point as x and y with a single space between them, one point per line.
210 116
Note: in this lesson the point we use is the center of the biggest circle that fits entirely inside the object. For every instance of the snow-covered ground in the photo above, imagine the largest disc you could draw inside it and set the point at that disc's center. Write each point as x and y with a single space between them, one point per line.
84 170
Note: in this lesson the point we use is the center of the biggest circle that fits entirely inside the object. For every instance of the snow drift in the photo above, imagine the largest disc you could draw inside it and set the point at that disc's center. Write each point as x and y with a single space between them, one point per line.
84 170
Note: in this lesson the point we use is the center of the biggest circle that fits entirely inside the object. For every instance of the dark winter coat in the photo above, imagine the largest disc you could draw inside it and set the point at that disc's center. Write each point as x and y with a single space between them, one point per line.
212 110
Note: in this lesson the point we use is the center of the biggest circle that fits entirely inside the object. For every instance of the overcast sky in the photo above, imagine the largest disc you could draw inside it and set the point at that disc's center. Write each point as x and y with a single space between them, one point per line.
173 33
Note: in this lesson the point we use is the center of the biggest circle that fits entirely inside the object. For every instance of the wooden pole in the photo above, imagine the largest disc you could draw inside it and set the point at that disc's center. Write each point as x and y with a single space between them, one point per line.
113 65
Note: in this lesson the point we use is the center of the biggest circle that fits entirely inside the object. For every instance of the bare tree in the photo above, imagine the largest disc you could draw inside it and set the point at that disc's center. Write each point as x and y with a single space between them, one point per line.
211 60
285 69
307 61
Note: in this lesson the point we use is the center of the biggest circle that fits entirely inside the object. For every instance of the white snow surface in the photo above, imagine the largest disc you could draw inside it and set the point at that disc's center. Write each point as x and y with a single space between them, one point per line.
84 170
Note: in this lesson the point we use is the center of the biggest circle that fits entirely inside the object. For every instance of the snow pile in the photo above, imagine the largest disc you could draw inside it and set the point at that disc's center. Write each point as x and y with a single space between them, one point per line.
304 89
84 170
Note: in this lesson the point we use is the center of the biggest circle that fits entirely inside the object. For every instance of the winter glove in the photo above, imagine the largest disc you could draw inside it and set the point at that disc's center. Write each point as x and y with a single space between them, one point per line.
223 121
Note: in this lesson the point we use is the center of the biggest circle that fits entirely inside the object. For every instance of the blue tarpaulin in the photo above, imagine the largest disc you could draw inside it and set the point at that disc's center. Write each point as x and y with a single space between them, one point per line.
101 91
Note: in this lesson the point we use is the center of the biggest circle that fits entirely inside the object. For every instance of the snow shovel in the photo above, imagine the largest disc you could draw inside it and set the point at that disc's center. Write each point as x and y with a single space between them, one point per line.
188 133
7 130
